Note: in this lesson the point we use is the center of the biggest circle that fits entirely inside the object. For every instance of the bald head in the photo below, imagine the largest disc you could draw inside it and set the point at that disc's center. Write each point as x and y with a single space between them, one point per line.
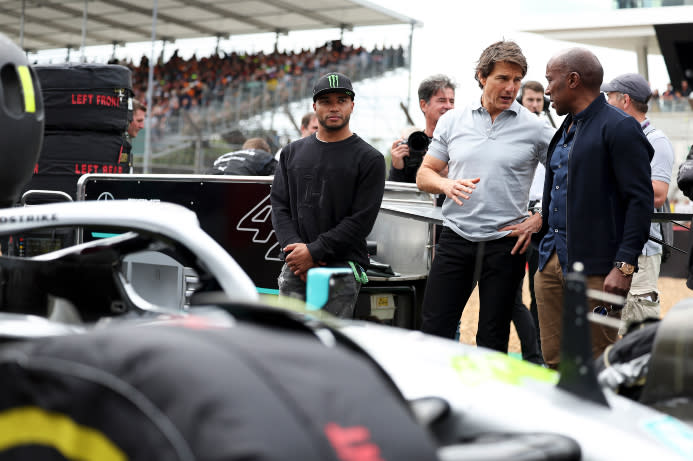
585 63
574 78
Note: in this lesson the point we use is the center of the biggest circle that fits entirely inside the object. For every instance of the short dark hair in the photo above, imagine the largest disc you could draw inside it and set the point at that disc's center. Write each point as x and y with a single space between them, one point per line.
534 86
431 85
305 120
502 51
136 105
641 107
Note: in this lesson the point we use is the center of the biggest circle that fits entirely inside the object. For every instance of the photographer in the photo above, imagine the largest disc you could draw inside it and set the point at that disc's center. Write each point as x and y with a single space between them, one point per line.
436 96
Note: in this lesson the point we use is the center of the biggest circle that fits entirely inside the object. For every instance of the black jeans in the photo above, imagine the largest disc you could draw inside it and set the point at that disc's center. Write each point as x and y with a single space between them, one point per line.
452 279
526 321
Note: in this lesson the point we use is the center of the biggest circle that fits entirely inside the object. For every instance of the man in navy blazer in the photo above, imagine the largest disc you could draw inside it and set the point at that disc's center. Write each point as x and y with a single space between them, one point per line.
597 202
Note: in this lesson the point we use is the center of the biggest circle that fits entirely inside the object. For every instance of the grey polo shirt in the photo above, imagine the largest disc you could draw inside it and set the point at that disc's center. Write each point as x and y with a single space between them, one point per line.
503 153
661 165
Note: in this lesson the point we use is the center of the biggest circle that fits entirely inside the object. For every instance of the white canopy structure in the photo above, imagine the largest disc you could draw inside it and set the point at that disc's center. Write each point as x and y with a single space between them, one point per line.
643 30
46 24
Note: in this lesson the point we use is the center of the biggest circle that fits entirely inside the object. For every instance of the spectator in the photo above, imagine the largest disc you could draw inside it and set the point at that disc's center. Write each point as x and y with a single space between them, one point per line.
532 96
630 93
655 101
669 94
309 124
254 159
139 112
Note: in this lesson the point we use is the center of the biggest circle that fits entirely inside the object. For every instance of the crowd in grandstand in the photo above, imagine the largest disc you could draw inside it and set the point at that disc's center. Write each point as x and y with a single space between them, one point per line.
230 86
673 99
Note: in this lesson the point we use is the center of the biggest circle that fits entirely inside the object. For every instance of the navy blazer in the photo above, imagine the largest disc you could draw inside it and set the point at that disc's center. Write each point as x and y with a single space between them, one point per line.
610 197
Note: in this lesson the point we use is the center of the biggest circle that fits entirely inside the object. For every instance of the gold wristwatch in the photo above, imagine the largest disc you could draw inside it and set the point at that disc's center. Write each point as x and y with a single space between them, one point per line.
625 268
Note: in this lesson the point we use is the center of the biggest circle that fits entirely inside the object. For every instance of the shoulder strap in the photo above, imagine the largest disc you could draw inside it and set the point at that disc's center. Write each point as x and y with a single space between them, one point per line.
649 129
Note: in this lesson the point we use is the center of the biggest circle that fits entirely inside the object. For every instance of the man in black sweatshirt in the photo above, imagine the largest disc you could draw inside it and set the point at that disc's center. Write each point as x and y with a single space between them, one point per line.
326 196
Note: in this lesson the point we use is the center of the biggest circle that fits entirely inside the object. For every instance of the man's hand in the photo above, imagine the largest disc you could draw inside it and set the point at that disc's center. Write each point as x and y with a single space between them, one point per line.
455 188
399 150
523 231
299 260
617 283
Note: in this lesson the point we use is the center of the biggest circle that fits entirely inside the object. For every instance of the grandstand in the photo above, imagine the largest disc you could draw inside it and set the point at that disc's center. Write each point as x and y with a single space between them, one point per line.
203 107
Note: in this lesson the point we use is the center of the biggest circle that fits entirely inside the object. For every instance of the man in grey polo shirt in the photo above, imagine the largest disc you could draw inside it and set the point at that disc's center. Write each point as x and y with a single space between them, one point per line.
497 143
630 93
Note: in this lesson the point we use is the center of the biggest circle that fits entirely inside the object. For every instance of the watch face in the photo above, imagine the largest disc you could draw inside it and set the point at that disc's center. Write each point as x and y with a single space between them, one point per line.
626 268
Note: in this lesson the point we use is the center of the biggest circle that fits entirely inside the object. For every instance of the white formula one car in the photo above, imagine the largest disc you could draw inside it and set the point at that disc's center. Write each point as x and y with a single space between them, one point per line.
122 376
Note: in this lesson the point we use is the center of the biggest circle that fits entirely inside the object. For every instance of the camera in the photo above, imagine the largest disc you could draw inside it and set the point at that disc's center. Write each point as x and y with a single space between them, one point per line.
418 143
684 178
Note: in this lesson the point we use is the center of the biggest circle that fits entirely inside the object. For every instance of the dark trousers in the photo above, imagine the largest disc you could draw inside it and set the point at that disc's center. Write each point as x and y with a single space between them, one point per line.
533 265
452 278
342 298
526 321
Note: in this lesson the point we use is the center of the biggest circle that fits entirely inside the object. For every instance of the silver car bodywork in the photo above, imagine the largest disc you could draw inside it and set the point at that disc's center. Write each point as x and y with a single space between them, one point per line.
487 392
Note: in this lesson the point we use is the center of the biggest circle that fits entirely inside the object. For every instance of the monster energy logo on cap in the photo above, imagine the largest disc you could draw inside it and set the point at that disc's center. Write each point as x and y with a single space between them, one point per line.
333 82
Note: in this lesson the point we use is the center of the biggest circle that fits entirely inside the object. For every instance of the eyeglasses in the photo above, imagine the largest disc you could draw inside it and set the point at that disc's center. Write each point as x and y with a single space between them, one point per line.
606 309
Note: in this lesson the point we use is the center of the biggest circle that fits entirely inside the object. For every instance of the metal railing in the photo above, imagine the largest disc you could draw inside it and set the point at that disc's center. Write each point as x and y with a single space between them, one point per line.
680 104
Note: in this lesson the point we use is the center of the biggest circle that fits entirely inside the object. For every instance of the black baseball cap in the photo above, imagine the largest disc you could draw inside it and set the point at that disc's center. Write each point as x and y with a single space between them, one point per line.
334 82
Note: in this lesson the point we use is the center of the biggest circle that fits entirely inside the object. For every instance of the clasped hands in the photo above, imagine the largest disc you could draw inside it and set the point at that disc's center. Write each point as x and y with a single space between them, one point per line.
299 259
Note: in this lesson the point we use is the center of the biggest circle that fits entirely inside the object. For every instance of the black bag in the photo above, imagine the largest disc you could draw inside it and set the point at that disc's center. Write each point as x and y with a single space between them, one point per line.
684 179
66 155
623 366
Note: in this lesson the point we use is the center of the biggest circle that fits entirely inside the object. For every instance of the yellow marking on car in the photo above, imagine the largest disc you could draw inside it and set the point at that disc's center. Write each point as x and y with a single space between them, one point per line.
25 426
477 369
